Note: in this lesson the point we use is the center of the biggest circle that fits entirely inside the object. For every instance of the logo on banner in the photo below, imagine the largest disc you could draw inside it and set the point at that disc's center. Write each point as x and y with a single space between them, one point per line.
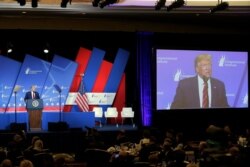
177 75
101 98
28 71
222 61
245 99
8 87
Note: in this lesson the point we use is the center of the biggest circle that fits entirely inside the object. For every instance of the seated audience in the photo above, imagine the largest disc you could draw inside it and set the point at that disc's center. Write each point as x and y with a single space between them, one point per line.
6 163
26 163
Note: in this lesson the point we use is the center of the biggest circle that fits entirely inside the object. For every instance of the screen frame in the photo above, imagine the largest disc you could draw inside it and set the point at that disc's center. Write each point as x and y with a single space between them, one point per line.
154 75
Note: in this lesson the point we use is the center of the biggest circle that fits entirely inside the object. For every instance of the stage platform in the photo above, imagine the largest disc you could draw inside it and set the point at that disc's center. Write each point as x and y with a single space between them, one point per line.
54 121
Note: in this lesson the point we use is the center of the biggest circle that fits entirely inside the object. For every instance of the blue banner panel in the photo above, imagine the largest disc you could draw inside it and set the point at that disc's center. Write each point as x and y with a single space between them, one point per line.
93 68
9 70
58 83
33 72
117 71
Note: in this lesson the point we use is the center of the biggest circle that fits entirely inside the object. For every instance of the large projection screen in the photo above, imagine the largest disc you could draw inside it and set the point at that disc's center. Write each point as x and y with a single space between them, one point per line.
230 67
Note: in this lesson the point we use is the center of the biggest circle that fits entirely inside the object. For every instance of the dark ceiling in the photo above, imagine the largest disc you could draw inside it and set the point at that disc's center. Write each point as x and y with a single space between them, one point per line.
85 17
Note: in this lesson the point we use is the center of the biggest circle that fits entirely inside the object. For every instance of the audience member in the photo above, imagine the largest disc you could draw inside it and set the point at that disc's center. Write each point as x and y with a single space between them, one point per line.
15 148
179 159
26 163
6 163
121 137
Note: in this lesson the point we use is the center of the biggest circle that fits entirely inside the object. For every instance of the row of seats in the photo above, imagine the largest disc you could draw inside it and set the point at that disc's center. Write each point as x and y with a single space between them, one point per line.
127 112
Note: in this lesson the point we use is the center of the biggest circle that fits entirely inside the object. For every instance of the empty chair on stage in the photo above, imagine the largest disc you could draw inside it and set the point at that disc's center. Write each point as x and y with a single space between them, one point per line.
98 114
111 113
127 112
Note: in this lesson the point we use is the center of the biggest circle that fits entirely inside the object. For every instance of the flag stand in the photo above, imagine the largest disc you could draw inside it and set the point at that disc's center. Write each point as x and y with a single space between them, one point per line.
81 98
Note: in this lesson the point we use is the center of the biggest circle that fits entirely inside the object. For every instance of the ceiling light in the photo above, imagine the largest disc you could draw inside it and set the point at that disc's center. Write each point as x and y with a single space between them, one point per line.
95 3
176 4
9 47
104 3
159 4
21 2
221 6
64 3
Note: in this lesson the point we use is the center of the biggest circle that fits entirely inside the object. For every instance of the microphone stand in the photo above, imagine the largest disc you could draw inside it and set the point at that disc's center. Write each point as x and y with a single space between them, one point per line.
59 90
60 107
15 108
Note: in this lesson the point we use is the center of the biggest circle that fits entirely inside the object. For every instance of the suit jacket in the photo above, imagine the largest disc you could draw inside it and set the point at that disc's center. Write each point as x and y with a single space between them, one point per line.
187 94
29 96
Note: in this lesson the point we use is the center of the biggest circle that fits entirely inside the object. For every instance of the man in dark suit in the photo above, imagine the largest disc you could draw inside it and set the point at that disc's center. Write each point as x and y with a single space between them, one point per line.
190 93
34 115
32 94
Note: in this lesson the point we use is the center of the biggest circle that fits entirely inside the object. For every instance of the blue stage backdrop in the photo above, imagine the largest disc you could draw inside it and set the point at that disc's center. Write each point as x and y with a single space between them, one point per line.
9 70
61 74
231 67
33 72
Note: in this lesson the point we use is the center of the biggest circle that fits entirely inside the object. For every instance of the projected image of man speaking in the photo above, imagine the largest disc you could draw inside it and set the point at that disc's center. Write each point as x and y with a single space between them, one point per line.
202 90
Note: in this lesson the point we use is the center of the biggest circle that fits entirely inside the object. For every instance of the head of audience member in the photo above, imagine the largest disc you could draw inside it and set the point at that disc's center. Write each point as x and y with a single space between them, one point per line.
234 151
179 155
6 163
26 163
167 144
191 165
17 138
38 145
170 134
202 146
34 139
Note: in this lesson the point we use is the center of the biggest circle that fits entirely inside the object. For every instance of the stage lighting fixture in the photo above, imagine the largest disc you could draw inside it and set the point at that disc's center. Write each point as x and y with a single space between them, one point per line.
159 4
219 7
176 4
46 49
104 3
64 3
34 3
9 48
21 2
95 3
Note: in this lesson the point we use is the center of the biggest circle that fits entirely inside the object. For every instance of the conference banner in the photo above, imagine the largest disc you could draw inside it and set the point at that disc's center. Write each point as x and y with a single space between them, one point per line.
57 84
100 98
9 70
33 72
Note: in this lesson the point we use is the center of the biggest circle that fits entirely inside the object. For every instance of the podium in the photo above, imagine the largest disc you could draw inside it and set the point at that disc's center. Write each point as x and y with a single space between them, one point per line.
34 108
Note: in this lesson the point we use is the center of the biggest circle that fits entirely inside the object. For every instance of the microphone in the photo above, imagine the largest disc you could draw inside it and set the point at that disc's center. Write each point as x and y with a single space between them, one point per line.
205 79
57 88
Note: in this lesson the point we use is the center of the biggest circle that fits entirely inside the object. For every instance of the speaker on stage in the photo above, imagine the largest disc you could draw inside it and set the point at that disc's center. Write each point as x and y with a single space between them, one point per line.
57 126
18 126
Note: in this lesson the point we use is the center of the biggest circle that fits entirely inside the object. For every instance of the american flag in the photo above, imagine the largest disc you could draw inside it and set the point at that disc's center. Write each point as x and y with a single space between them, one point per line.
82 99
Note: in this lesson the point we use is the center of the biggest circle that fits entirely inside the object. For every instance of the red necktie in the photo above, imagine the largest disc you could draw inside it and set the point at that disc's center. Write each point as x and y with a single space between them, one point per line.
205 95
